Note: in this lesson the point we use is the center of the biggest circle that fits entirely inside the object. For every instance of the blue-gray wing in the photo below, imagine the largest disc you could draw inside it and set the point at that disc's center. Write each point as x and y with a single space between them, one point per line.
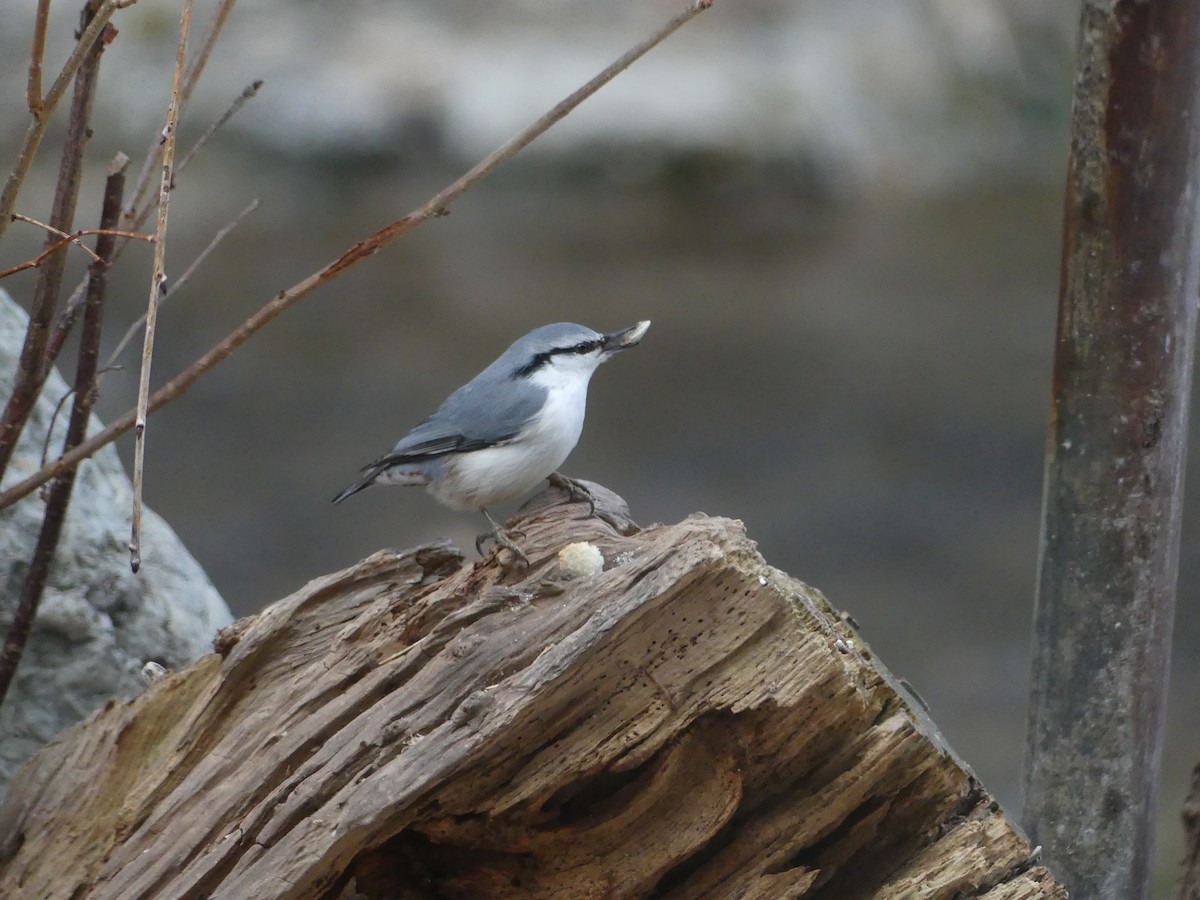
490 410
483 413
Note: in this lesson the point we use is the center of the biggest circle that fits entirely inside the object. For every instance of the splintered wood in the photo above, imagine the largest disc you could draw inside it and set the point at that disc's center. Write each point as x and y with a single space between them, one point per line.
686 723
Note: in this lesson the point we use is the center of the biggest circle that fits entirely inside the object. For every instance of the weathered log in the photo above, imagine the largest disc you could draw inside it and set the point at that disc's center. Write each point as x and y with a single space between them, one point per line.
1189 880
686 723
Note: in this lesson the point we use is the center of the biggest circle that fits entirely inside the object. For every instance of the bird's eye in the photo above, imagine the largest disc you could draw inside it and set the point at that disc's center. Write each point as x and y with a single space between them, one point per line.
582 347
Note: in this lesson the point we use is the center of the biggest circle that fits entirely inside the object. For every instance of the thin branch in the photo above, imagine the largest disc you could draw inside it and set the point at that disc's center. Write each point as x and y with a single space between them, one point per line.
67 320
60 493
33 90
64 325
72 238
285 299
31 371
48 437
436 205
83 232
37 128
242 98
158 286
138 218
137 207
199 60
180 282
212 245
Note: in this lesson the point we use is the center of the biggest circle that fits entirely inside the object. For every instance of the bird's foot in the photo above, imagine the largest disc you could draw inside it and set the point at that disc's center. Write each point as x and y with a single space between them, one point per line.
574 488
500 536
502 539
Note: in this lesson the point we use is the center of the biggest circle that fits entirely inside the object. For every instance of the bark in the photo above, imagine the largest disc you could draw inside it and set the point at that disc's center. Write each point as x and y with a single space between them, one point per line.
1189 883
1117 444
688 722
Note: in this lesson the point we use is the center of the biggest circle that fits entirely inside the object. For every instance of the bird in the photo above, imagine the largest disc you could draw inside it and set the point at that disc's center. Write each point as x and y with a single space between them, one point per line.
506 429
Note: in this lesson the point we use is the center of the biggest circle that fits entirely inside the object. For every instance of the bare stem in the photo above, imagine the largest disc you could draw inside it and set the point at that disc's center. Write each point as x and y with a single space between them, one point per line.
285 299
33 90
180 281
158 285
66 321
64 325
60 493
48 438
137 218
196 66
72 238
248 94
135 209
31 370
37 127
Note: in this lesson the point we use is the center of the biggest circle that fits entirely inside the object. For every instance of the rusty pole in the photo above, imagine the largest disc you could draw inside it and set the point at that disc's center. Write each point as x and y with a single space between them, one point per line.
1116 446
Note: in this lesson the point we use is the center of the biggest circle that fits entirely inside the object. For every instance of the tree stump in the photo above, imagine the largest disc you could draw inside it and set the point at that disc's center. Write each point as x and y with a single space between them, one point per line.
686 722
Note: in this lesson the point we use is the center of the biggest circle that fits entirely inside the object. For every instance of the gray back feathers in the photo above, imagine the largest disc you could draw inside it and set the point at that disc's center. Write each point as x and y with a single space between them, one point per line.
494 405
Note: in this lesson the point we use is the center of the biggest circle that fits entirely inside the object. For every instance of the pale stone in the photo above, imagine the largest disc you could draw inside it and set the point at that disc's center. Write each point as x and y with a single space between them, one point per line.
98 623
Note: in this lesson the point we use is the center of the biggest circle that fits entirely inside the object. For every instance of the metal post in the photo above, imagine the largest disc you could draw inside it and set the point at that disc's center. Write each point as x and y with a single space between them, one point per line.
1116 446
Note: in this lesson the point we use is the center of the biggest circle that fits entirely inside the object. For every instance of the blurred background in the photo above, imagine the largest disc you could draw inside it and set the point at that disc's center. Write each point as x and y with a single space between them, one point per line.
842 217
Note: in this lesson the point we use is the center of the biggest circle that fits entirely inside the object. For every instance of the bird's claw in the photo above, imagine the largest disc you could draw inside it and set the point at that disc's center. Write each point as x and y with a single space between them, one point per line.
574 489
509 544
500 536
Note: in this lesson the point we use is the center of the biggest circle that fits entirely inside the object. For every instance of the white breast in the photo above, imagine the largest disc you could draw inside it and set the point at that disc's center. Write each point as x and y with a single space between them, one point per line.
484 477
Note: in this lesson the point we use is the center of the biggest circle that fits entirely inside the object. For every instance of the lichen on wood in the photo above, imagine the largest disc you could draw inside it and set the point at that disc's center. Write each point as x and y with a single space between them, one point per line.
688 722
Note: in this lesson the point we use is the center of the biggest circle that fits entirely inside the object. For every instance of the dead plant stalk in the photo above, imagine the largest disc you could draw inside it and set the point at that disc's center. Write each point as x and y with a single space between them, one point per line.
158 285
32 369
85 378
41 118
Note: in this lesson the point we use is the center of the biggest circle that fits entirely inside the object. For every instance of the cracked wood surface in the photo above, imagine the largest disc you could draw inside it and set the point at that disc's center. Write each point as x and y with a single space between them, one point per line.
686 723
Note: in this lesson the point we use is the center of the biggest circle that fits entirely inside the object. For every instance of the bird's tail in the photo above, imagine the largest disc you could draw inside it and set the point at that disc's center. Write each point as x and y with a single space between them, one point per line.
386 470
369 474
364 482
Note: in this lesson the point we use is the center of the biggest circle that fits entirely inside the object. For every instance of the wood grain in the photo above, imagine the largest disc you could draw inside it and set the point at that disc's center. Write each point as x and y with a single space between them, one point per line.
688 722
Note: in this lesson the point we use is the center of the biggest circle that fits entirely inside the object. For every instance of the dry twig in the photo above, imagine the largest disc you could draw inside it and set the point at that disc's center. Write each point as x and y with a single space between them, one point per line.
137 208
37 128
158 286
179 282
137 218
85 376
287 298
65 323
66 238
199 60
249 93
31 370
48 437
33 90
72 238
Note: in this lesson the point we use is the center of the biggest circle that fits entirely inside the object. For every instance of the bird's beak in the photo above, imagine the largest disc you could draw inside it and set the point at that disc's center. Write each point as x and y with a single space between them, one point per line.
625 338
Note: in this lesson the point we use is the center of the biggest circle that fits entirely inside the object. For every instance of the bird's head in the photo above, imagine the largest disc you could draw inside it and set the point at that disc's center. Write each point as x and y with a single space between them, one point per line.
567 351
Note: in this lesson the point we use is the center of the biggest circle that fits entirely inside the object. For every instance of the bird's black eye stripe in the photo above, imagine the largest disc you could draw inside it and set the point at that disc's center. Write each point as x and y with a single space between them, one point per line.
544 357
532 366
581 347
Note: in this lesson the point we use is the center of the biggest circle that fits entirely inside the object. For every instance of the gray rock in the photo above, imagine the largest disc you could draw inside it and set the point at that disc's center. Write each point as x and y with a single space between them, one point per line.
98 623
